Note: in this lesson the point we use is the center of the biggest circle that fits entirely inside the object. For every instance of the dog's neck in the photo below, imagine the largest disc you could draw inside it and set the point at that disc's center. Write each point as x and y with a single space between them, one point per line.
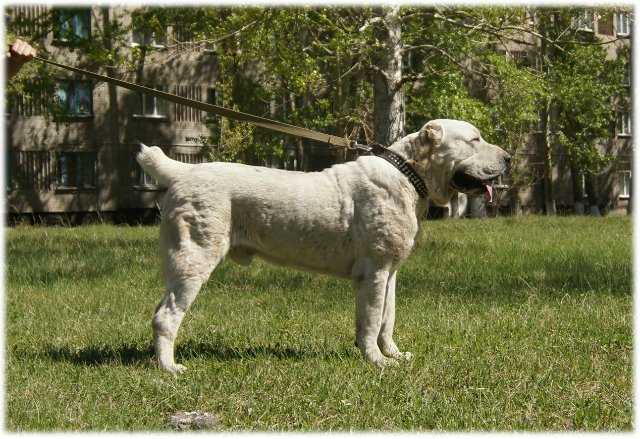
411 149
419 156
408 149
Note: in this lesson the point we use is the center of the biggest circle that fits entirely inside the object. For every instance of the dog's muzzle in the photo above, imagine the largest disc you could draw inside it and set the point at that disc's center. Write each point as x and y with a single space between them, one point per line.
468 184
473 181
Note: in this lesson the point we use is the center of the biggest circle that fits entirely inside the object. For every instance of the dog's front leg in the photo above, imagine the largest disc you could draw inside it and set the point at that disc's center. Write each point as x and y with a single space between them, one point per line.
385 338
370 287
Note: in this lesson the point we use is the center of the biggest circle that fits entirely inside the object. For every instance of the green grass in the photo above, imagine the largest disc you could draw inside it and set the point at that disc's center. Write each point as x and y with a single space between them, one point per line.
515 324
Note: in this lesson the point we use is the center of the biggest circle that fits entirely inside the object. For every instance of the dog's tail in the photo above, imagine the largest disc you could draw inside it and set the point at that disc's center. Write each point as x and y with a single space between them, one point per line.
155 163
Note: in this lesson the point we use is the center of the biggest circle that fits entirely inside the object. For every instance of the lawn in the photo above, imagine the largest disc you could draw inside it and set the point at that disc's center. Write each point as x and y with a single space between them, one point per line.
515 324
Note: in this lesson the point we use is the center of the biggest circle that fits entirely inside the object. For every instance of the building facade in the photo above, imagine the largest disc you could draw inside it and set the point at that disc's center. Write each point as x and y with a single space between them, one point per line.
82 158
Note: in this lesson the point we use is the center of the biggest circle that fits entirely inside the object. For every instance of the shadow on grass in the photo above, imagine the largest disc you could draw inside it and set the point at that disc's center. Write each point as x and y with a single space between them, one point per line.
129 354
39 261
97 355
220 351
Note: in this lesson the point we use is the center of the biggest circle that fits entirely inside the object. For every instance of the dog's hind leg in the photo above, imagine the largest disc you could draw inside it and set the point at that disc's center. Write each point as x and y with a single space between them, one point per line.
385 338
168 317
188 264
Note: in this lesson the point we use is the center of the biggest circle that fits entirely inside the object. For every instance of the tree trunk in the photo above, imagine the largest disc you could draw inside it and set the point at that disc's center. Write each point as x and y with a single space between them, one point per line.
547 176
516 205
340 154
300 157
630 200
592 198
110 187
578 193
547 116
388 97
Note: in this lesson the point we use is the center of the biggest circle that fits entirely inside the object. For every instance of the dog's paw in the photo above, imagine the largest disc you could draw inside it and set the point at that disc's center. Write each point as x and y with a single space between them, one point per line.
392 351
403 356
175 369
376 357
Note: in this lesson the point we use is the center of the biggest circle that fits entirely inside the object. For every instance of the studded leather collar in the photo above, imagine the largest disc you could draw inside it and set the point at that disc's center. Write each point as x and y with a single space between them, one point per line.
400 163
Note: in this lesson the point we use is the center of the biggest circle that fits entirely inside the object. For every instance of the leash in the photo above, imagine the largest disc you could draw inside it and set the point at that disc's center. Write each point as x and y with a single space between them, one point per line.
378 150
263 122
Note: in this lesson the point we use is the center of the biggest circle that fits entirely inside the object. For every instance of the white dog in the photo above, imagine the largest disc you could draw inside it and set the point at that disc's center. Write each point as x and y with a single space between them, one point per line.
357 220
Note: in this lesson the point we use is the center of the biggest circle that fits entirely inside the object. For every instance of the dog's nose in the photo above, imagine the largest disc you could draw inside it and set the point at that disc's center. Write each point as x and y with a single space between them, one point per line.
507 160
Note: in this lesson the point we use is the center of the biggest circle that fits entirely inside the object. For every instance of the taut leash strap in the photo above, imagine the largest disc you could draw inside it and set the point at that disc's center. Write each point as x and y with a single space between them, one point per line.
263 122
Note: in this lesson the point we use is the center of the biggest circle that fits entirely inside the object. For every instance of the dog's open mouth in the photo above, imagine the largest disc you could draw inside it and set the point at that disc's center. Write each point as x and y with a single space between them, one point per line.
463 182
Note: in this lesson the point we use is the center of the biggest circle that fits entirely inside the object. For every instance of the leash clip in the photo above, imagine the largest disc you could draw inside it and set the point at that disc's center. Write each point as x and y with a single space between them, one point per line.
367 149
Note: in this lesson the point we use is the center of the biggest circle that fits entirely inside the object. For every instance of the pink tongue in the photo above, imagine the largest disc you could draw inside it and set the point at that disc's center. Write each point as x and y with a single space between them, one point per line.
488 195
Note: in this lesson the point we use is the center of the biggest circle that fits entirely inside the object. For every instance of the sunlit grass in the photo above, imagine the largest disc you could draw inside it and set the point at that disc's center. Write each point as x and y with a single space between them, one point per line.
521 323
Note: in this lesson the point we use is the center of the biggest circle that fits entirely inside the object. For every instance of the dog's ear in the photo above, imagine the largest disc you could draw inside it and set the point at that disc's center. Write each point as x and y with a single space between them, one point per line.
432 133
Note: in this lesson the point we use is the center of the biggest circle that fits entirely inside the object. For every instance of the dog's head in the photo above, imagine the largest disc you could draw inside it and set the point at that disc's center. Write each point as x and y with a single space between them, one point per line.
452 156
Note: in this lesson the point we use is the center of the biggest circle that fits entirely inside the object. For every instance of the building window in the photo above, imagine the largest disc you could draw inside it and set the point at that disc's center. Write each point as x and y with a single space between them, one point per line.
624 123
151 106
32 100
520 57
585 21
605 24
623 26
32 170
625 184
626 80
77 170
72 25
148 38
74 98
192 158
29 20
185 113
142 179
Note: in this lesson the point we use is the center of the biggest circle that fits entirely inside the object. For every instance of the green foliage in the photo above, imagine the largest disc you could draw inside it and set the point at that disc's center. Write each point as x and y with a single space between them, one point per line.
151 20
236 137
447 97
515 96
586 84
516 92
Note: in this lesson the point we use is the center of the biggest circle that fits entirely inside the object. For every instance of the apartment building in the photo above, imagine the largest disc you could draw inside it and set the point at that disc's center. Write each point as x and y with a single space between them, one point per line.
81 158
612 186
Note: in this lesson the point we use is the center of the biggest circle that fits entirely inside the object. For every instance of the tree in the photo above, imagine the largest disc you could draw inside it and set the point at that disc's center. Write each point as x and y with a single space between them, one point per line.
583 84
586 85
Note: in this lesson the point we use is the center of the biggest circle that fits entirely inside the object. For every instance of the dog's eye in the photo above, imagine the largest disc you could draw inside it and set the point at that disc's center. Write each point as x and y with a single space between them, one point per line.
475 139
